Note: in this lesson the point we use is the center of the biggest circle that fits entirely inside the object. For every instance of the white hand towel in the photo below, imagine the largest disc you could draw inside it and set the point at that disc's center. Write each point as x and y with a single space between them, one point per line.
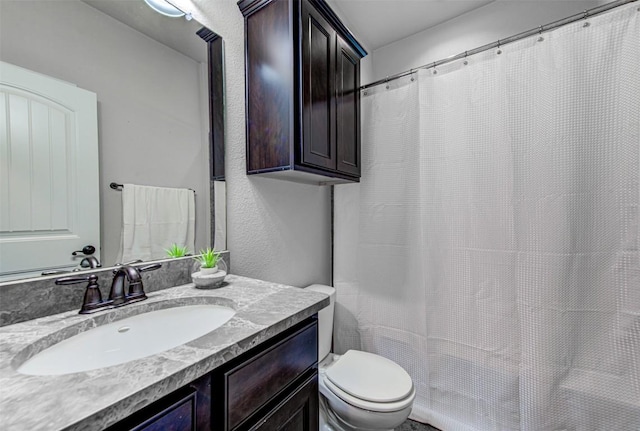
154 218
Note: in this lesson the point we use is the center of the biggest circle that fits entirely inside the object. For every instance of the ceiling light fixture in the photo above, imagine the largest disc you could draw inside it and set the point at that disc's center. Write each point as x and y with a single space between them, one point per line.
167 9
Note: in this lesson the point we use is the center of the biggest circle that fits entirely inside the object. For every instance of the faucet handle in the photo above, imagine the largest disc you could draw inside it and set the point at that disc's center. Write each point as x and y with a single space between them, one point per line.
129 263
54 272
75 279
151 267
92 296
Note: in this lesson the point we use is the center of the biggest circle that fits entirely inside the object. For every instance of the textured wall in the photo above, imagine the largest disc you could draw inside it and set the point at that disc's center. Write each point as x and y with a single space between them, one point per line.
276 230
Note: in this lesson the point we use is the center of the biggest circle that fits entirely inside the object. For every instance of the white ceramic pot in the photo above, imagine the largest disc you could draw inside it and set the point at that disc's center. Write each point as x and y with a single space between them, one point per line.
208 271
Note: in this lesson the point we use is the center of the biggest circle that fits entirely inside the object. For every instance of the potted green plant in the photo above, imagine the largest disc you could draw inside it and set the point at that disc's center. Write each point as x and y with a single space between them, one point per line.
176 251
208 261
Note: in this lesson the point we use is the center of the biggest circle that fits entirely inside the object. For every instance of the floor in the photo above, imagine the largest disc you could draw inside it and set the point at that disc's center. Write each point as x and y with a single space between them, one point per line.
410 425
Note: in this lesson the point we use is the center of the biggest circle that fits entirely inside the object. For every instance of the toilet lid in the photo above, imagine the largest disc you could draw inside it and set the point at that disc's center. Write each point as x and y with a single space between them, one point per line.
370 377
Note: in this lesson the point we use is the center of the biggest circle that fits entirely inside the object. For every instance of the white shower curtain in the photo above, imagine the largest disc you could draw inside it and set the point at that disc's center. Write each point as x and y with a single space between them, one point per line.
491 248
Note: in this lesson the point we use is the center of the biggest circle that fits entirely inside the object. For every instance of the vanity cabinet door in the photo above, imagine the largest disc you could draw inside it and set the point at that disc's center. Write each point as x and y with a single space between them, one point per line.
252 386
256 382
297 412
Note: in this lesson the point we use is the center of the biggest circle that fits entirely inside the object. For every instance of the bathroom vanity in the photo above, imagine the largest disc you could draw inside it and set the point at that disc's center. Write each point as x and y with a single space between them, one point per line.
256 371
272 386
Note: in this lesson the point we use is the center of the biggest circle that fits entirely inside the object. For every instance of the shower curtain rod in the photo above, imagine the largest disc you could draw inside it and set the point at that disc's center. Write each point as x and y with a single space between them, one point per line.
501 42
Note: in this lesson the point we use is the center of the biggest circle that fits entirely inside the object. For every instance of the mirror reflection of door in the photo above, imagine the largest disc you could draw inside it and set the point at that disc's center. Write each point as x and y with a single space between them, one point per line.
48 172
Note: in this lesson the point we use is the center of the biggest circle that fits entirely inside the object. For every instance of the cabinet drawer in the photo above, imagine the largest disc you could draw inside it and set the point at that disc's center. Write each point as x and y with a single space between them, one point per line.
256 381
187 409
178 417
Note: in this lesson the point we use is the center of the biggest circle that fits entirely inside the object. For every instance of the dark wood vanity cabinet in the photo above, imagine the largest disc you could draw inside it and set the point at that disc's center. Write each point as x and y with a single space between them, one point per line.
303 103
273 386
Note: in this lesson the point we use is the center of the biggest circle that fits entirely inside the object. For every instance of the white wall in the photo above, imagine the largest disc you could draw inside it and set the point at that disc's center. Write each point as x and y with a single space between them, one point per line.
497 20
276 230
149 96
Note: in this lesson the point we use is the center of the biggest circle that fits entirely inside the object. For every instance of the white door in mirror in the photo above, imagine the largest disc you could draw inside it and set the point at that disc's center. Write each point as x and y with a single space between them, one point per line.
128 339
49 197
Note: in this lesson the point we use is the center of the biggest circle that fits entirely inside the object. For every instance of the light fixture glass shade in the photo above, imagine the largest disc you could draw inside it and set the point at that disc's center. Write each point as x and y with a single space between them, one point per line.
165 8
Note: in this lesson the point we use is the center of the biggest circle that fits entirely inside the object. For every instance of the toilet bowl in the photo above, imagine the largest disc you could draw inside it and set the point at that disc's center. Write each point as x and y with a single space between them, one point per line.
358 390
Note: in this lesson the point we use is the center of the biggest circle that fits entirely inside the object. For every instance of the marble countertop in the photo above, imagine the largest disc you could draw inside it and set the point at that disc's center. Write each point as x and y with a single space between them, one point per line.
93 400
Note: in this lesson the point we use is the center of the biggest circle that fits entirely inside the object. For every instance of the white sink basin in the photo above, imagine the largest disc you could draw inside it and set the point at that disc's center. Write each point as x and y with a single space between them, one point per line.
125 340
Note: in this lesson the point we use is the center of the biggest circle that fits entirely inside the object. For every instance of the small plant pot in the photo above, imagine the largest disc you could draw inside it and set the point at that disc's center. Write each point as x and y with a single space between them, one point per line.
208 271
209 281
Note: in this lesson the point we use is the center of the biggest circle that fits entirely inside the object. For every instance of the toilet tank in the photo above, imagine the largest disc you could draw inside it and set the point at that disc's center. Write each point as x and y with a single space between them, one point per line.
325 320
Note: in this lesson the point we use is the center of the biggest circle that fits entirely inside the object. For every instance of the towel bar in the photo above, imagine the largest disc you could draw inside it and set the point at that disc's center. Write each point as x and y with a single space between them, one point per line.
119 187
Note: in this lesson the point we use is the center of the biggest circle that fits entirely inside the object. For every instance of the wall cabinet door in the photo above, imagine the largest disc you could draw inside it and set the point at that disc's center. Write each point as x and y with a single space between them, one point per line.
318 87
347 109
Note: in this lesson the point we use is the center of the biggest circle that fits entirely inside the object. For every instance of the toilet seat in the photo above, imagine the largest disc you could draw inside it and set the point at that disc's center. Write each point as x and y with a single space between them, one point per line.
369 405
369 381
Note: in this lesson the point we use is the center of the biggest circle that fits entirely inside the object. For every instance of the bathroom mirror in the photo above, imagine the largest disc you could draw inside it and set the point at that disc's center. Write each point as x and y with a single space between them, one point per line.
158 123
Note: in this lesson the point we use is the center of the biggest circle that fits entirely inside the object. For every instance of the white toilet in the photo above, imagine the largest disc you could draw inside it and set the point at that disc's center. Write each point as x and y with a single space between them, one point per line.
358 390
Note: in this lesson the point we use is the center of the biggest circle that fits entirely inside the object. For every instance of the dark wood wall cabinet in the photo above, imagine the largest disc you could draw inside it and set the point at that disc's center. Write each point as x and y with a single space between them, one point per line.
302 92
273 386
